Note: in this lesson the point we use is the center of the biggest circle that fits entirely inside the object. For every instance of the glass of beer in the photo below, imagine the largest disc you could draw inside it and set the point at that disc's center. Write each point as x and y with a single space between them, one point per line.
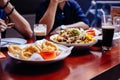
107 34
40 31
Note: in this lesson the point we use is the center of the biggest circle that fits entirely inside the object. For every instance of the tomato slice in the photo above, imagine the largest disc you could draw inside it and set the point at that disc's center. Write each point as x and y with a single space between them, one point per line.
48 55
91 32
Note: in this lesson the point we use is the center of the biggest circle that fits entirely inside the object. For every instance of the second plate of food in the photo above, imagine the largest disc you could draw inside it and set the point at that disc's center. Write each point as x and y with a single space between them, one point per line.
74 37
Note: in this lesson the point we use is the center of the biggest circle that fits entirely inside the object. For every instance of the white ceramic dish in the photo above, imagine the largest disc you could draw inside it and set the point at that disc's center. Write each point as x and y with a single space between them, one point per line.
64 52
7 41
73 44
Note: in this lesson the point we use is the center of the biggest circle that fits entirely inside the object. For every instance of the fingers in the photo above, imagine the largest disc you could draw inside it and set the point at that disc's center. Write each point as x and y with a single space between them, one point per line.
2 22
2 28
3 25
10 25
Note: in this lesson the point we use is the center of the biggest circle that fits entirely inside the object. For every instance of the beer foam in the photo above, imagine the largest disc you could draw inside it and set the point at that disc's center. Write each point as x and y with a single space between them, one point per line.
40 30
108 27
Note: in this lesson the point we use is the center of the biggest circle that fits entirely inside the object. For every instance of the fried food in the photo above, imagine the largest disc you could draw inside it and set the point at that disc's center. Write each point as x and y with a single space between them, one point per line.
28 51
25 55
39 47
15 49
49 46
31 48
47 50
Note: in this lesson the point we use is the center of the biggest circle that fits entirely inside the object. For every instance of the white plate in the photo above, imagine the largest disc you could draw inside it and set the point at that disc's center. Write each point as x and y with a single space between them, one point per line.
64 52
7 41
73 44
115 37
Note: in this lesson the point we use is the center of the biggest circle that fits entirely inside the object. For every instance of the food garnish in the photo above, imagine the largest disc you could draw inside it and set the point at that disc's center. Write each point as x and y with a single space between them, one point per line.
91 32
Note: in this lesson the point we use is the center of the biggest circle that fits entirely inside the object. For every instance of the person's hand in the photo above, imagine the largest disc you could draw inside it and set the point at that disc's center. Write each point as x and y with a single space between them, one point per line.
3 2
3 25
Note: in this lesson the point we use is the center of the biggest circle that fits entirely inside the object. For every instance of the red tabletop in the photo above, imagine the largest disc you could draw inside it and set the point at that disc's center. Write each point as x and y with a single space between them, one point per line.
80 65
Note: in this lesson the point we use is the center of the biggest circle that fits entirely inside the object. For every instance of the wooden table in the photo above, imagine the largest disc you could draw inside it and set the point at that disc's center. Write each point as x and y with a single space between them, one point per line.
80 65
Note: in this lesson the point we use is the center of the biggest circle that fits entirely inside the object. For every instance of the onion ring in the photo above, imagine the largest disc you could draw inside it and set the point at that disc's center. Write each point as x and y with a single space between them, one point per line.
15 49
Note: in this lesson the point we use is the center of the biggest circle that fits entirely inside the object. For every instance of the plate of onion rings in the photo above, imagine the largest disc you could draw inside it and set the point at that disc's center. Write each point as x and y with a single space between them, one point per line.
42 52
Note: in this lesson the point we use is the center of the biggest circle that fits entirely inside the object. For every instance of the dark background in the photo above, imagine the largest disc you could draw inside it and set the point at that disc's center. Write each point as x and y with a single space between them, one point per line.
28 7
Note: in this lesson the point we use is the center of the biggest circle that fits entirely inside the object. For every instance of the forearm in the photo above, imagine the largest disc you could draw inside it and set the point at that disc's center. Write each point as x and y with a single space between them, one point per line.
20 23
78 24
49 16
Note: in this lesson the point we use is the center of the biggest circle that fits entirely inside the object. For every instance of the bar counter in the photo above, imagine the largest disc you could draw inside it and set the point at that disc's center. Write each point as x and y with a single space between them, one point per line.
87 64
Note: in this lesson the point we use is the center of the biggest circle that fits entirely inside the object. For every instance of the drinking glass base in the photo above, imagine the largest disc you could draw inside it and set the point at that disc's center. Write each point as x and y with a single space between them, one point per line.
105 48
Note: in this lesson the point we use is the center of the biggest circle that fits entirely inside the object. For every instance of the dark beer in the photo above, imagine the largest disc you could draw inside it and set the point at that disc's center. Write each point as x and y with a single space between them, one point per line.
107 33
40 37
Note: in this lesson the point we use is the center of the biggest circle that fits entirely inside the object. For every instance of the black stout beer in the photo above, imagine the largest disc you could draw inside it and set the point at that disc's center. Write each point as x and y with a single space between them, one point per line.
107 33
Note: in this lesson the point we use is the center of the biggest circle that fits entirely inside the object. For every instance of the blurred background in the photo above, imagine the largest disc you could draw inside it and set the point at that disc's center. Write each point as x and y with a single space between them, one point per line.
27 9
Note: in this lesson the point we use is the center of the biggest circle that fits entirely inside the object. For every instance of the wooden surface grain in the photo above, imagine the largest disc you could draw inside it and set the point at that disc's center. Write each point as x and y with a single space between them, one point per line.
80 65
